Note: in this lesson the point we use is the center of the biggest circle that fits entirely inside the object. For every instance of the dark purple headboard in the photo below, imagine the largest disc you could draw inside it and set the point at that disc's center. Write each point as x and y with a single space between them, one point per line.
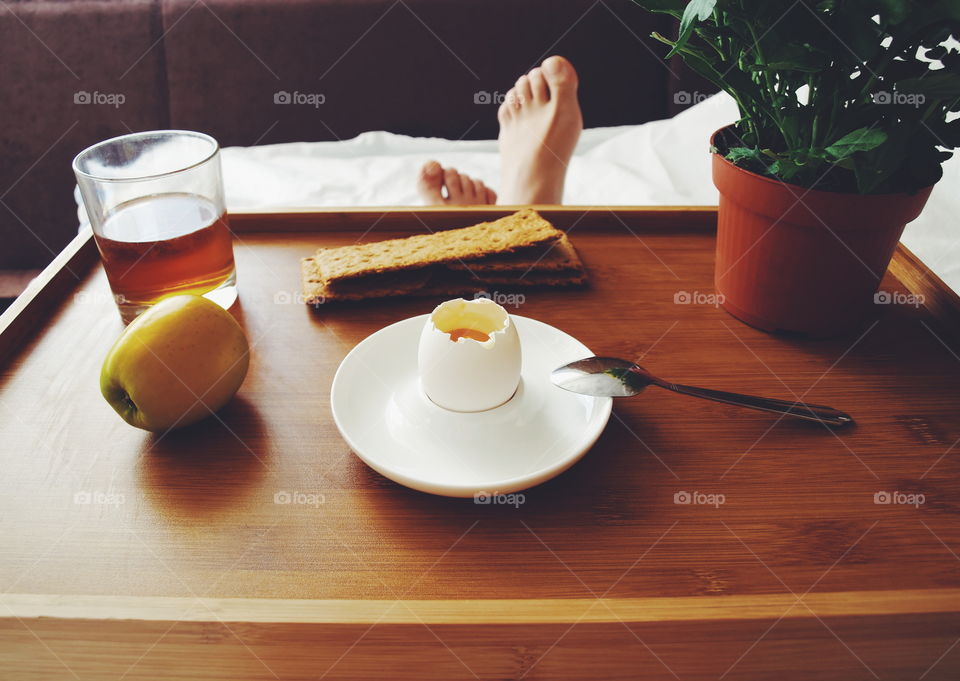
229 67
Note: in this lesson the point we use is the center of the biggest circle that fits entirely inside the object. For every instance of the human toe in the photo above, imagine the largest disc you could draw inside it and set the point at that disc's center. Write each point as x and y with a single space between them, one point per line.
559 73
452 181
430 183
523 90
538 85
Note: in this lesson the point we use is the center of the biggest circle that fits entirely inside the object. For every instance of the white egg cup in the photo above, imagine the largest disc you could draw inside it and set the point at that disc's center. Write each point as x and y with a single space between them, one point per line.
467 375
379 406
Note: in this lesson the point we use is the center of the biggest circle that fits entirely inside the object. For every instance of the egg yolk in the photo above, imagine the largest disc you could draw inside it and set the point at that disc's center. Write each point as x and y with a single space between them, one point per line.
480 336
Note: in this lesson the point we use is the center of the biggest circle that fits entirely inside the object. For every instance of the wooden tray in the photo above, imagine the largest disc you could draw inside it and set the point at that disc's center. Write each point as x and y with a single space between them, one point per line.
128 555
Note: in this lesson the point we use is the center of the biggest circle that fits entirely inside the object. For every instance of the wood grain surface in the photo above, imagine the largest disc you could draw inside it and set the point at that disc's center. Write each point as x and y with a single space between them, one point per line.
131 555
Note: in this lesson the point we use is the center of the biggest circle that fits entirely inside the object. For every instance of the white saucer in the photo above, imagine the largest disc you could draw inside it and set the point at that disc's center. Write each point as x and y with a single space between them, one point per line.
389 422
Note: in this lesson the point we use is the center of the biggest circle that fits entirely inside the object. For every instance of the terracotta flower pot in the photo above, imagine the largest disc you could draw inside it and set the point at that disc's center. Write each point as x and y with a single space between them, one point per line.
800 260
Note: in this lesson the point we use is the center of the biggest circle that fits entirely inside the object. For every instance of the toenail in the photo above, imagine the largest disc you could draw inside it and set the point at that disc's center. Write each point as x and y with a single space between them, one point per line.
552 64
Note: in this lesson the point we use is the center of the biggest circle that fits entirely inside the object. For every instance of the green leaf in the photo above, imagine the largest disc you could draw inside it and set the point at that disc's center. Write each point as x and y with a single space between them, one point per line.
894 11
856 33
941 84
945 134
785 66
737 154
785 168
875 169
674 7
863 139
869 175
696 10
925 167
656 35
905 70
782 56
734 81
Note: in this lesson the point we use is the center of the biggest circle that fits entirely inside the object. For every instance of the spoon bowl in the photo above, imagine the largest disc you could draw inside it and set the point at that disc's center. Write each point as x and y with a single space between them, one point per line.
615 377
601 376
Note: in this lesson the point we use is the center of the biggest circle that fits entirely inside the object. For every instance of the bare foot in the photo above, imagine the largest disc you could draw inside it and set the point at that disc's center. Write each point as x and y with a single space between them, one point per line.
540 123
440 186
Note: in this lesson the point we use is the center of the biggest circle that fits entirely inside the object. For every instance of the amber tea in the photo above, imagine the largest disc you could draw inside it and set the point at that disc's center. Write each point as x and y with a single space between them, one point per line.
162 245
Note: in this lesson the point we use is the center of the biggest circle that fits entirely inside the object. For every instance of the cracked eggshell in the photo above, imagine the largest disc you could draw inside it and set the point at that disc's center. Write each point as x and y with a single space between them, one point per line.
467 374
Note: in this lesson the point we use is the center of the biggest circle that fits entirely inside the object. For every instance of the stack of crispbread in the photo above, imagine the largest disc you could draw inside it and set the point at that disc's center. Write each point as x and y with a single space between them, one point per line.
517 251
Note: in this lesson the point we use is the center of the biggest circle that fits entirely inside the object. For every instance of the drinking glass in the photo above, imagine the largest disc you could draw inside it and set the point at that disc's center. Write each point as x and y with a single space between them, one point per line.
155 203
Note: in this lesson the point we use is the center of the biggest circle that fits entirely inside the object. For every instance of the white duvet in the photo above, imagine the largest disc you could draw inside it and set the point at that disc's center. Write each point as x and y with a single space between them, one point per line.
659 163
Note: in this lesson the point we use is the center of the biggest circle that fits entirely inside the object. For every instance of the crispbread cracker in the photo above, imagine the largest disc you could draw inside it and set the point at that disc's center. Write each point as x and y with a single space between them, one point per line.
530 253
524 229
439 281
559 255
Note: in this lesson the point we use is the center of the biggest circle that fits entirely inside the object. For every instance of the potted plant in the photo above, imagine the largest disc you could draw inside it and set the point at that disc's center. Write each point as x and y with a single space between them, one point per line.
845 118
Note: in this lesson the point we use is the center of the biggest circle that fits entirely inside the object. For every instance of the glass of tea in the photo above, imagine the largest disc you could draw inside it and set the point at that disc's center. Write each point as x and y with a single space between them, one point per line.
155 203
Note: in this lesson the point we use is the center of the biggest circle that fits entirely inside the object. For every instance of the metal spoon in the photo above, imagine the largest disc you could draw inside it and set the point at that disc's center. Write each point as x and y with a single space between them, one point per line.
612 377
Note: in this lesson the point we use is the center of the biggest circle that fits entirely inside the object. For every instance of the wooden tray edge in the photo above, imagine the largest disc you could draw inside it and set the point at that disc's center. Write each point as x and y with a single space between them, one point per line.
940 300
46 291
483 611
686 218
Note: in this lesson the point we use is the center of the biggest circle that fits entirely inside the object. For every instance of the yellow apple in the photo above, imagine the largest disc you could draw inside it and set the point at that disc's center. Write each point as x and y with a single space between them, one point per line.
175 364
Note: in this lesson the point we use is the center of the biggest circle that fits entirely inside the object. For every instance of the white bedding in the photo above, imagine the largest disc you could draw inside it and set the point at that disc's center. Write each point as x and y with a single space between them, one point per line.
659 163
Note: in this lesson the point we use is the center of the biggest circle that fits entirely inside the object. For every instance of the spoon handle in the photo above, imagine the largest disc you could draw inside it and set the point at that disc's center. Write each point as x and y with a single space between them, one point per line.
801 410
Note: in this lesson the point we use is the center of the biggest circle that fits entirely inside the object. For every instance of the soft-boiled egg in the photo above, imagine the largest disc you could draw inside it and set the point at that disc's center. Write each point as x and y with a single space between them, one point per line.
469 356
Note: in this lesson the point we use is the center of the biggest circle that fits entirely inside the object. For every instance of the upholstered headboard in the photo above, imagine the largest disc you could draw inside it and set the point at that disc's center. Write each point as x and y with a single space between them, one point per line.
264 71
